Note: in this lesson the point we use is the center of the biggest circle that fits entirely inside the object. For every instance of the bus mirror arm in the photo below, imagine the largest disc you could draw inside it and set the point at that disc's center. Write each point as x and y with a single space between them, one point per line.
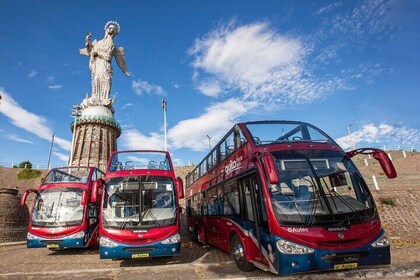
380 156
180 187
83 201
25 195
96 190
270 166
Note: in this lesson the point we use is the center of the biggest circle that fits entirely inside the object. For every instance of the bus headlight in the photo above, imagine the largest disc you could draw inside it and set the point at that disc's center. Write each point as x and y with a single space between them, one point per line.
173 239
382 241
30 236
287 247
79 234
106 242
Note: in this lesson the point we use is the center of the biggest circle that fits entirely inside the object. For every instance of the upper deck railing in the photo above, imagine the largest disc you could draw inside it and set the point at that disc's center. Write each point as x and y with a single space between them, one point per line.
140 160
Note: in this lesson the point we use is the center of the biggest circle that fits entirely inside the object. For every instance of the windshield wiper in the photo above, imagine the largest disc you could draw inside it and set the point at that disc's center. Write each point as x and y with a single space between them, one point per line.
152 215
126 220
349 206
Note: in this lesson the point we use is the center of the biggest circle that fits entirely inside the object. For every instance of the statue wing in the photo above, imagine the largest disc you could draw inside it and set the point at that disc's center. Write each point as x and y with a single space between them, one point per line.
120 58
84 51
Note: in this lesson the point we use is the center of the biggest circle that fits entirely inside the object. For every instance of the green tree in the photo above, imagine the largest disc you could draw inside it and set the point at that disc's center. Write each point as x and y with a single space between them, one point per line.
25 164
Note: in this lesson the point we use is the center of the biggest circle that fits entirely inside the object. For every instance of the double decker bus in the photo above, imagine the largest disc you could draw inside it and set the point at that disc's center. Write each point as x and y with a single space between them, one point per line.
284 197
140 213
63 215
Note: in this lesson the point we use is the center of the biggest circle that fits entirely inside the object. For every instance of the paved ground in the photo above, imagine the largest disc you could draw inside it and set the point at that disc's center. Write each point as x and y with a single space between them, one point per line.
196 262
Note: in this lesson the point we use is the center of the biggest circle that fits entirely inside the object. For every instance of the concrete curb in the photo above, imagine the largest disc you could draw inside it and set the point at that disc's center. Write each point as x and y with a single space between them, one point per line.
16 243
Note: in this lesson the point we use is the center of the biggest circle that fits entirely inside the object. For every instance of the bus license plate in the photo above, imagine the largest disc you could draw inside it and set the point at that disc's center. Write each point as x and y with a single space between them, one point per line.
137 256
53 246
345 266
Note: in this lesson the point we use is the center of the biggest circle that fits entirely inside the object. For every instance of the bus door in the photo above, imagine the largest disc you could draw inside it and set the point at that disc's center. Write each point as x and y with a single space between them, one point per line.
255 218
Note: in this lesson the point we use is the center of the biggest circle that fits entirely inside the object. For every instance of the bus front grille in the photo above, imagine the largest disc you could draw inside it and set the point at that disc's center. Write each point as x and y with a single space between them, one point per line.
47 242
140 250
344 257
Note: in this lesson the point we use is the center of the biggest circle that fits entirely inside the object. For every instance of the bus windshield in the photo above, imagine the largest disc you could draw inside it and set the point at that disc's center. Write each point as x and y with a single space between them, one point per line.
139 202
264 133
58 207
319 187
68 174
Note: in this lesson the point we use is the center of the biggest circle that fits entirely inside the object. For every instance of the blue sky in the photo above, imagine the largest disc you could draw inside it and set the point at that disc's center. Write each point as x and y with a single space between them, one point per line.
330 63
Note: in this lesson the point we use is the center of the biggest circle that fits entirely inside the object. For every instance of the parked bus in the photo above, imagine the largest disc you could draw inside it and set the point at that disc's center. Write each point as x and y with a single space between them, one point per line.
284 197
140 213
63 214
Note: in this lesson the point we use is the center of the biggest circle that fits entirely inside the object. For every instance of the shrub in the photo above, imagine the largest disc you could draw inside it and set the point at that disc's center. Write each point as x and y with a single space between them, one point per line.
388 201
26 174
25 164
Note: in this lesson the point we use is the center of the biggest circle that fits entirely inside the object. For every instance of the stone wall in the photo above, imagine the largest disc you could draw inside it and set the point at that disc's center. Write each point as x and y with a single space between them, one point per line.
13 219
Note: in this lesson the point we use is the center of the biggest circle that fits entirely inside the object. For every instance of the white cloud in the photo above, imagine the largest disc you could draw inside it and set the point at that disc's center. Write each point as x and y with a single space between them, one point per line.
365 20
126 105
142 87
210 88
55 87
28 121
61 156
259 63
176 85
216 121
32 74
328 8
133 139
379 135
16 138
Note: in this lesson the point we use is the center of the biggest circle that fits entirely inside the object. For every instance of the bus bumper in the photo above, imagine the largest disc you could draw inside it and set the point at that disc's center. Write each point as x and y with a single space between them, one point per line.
322 259
125 251
56 243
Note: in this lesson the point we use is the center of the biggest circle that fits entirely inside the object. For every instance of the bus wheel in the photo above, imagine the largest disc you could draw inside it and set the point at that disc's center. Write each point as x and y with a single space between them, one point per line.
237 251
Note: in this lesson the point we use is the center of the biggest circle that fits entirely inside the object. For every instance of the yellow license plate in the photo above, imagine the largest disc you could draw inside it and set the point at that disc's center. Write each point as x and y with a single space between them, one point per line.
137 256
53 246
345 266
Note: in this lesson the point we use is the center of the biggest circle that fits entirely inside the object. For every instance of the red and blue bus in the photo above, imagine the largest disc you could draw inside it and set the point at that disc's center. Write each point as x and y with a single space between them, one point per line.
63 215
140 212
284 197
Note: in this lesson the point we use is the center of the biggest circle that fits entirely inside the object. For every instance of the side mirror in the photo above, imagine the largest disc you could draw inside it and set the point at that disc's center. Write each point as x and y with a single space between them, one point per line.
83 201
380 156
25 195
180 187
271 169
96 190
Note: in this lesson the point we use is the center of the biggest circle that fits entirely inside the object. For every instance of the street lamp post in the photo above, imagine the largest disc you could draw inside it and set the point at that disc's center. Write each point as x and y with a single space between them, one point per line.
209 142
164 106
351 139
76 112
49 155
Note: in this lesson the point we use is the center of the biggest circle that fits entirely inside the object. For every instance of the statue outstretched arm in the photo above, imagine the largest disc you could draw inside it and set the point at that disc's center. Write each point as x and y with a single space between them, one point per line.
86 51
120 58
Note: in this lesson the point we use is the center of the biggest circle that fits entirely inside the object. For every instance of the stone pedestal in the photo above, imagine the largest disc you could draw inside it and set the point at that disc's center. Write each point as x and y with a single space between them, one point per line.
95 137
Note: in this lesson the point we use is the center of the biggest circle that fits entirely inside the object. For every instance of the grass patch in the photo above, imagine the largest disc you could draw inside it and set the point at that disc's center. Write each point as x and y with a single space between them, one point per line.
388 201
26 174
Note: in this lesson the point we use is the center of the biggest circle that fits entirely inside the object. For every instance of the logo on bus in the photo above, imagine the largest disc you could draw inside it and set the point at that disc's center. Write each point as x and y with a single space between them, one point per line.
233 165
337 229
292 229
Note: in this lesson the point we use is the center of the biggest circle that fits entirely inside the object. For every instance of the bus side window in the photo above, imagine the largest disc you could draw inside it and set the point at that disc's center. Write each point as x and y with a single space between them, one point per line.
247 201
231 198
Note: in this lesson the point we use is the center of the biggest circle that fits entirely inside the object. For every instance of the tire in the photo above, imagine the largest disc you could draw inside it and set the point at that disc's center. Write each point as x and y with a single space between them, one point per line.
237 251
